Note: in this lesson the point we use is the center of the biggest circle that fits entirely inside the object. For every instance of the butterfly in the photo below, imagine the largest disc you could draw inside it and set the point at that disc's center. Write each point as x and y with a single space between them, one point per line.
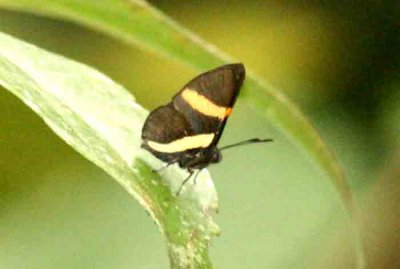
187 130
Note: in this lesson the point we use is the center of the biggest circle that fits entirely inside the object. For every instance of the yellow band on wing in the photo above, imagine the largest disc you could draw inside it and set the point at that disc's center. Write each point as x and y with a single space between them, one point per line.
185 143
204 106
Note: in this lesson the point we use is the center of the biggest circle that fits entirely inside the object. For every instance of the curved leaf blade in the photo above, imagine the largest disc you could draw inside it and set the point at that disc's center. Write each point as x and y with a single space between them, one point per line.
137 22
102 121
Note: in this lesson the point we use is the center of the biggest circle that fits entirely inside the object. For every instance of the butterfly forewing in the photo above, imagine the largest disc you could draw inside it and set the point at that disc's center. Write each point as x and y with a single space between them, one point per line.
218 85
207 100
188 129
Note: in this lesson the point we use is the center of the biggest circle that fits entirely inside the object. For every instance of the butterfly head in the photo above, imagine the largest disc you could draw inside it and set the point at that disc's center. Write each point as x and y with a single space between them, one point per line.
216 156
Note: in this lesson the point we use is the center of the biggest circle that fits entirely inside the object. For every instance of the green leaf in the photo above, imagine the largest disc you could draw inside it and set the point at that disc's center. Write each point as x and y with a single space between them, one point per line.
137 22
102 121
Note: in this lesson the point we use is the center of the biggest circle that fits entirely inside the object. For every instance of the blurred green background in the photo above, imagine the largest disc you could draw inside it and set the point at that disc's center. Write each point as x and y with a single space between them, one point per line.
339 61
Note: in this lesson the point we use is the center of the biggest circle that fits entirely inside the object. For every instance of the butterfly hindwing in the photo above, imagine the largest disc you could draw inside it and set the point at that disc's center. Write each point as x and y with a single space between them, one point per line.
167 134
165 125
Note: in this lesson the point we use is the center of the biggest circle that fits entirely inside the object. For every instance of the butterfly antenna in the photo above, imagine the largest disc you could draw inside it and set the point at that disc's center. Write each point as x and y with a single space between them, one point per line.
250 141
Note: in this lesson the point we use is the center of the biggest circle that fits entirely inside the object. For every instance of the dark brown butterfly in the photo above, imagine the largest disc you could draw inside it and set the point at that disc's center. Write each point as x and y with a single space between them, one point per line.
187 130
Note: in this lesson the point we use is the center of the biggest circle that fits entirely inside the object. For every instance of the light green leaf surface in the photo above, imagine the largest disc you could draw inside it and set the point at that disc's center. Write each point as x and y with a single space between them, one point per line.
102 121
137 22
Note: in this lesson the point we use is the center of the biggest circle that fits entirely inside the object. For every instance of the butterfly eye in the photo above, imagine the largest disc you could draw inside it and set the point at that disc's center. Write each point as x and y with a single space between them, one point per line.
216 157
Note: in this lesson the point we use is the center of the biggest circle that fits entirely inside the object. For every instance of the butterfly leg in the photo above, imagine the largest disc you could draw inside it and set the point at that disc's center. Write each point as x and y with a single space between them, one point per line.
185 181
195 177
162 168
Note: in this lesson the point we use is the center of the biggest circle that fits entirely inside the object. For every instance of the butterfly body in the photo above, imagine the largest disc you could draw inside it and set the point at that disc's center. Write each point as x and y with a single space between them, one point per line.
187 130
